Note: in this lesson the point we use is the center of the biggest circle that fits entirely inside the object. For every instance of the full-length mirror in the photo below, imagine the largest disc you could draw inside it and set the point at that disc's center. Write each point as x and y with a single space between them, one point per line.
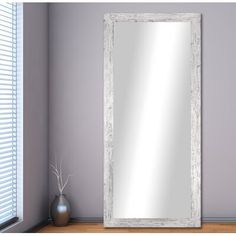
152 120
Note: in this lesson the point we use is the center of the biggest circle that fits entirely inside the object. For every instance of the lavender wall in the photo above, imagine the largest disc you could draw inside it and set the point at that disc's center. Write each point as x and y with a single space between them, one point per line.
76 101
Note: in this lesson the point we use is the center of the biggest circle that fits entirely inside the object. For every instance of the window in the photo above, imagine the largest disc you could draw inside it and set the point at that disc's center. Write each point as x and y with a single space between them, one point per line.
8 113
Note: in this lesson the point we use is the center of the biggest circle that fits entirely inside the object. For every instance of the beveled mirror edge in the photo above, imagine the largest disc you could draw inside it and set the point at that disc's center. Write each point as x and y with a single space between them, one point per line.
195 19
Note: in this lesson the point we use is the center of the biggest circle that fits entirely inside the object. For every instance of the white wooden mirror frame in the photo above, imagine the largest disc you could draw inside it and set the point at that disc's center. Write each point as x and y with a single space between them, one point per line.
195 219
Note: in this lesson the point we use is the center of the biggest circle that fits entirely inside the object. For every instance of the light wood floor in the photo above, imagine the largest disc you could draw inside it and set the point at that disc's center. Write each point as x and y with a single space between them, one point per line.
98 228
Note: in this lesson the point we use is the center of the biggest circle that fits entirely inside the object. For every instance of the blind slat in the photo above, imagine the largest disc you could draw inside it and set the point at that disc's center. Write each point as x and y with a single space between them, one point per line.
7 89
6 213
6 157
5 50
2 16
7 142
8 22
5 216
6 173
7 118
7 6
6 165
6 13
4 128
7 194
6 201
9 160
6 180
6 189
7 147
10 175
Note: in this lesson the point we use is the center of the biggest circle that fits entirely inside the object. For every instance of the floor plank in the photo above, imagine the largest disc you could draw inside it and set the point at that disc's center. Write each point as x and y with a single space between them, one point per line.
98 228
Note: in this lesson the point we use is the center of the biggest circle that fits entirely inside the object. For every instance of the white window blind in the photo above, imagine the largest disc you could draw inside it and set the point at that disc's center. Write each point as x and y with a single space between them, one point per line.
8 113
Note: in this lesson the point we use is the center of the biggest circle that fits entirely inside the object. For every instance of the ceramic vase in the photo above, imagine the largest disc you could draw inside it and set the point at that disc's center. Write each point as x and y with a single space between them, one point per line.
60 210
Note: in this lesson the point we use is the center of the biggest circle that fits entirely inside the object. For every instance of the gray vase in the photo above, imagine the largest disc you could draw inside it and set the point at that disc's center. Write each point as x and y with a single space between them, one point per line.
60 210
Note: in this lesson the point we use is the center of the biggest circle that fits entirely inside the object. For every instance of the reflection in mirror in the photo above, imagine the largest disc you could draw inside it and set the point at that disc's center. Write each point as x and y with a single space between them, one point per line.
152 120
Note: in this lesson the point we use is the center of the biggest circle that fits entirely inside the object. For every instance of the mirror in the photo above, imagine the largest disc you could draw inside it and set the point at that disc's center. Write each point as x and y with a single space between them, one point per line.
152 120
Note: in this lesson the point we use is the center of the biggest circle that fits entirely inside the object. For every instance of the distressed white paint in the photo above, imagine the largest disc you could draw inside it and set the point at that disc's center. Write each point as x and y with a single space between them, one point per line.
195 219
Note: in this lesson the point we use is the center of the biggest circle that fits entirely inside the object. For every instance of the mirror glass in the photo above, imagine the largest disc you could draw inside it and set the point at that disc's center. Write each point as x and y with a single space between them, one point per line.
152 120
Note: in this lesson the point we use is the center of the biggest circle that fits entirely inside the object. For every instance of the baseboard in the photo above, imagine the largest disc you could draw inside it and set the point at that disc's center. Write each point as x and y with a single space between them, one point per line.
84 220
87 219
204 219
218 219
